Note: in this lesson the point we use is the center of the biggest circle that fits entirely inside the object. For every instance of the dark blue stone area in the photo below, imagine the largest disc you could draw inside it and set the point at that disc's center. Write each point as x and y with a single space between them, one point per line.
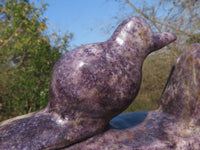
128 120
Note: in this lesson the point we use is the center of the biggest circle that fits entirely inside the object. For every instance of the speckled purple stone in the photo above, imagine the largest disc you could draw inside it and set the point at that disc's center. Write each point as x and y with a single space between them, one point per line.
89 86
174 126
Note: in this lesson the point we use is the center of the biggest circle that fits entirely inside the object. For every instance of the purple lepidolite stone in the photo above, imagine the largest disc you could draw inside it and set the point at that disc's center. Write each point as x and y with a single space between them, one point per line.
174 126
89 86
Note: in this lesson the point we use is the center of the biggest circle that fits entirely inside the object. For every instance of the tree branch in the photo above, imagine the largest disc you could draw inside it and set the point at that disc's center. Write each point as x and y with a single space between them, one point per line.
156 21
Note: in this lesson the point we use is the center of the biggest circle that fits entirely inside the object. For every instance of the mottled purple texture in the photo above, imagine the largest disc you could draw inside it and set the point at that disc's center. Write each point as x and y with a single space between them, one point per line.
183 90
175 125
89 86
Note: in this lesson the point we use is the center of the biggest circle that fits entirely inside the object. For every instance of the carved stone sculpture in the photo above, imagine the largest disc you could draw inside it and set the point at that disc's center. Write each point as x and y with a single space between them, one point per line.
90 85
175 125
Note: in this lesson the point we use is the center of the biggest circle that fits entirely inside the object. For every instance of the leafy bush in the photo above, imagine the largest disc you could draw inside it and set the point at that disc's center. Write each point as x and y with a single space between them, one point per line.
26 57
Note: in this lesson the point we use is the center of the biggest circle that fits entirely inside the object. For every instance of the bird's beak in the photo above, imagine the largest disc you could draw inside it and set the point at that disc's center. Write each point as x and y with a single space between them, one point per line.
161 39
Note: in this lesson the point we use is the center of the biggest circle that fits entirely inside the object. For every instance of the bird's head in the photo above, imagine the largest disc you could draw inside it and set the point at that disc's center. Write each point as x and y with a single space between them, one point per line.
136 33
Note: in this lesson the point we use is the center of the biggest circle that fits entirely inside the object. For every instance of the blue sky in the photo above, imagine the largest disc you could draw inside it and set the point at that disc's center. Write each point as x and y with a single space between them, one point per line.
86 19
89 20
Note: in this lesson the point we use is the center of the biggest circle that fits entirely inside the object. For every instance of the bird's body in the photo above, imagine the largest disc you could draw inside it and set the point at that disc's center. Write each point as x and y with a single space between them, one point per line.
97 75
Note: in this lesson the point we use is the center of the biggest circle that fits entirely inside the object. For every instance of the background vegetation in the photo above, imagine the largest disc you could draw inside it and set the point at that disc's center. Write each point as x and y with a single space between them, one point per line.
28 53
26 57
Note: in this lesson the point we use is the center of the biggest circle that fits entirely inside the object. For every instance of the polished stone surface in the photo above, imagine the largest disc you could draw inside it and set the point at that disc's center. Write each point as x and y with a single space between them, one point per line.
89 86
175 125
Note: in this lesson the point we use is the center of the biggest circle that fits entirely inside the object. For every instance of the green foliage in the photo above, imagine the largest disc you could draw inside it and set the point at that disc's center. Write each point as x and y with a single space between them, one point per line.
156 70
26 57
193 39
